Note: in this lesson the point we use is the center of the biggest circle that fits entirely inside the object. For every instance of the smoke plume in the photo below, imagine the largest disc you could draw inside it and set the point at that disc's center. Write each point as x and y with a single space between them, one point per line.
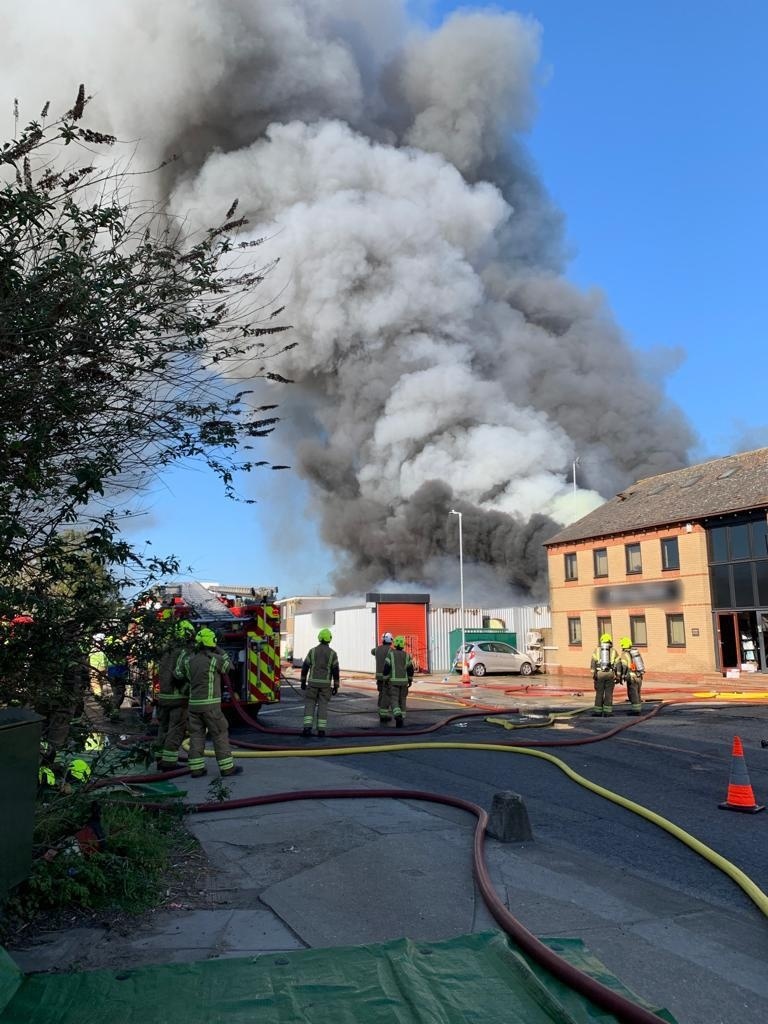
444 362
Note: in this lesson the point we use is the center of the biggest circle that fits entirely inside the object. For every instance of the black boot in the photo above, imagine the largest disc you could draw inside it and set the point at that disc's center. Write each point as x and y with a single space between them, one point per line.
237 770
399 722
321 733
306 731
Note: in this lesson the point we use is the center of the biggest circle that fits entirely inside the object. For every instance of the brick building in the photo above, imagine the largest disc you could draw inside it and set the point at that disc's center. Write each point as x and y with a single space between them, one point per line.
677 562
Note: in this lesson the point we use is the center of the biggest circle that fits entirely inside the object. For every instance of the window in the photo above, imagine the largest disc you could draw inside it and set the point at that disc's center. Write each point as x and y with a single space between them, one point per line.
638 632
739 535
604 625
571 566
574 631
675 631
600 556
718 544
670 555
721 586
743 591
634 558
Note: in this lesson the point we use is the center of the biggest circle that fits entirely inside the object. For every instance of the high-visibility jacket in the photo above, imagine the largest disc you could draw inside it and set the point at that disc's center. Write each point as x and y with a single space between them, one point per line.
321 666
594 664
380 654
206 667
398 666
173 674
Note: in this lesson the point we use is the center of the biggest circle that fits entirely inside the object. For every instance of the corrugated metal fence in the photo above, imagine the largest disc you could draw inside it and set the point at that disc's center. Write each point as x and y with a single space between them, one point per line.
354 634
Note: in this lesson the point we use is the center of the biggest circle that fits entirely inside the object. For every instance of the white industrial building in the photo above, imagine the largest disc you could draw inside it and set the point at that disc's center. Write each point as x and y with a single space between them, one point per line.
356 629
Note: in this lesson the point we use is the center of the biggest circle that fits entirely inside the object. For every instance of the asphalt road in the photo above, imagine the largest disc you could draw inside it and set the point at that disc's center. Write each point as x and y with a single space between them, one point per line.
676 764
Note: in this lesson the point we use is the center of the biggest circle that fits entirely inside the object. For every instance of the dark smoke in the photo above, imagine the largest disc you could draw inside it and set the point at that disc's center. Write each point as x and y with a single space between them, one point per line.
443 359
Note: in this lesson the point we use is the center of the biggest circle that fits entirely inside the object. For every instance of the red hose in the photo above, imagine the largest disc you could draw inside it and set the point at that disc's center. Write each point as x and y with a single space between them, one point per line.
622 1008
254 724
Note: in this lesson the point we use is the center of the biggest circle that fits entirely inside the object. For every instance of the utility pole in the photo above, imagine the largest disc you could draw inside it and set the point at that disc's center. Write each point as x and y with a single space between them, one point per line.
464 671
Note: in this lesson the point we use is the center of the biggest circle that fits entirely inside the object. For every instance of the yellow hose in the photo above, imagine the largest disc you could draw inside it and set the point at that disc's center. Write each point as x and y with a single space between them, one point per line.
758 897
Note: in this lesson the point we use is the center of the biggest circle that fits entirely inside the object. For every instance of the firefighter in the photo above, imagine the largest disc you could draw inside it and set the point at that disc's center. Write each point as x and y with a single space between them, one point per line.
173 696
205 667
398 676
320 678
385 699
627 672
602 668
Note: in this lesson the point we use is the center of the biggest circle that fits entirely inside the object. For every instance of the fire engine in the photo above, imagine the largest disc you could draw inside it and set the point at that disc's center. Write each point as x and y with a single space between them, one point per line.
247 623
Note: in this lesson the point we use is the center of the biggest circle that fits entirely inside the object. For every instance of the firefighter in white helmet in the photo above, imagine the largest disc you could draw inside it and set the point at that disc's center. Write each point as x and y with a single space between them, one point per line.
385 698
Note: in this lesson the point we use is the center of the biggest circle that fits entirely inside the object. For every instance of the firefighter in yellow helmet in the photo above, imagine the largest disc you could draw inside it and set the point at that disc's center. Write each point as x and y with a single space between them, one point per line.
602 668
398 674
320 678
206 666
173 695
629 673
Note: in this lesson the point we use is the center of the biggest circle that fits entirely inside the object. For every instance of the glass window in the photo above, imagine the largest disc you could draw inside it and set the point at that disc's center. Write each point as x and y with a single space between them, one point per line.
670 555
721 586
760 539
571 566
743 591
603 626
761 577
486 647
600 556
739 537
634 559
718 544
574 631
675 631
638 633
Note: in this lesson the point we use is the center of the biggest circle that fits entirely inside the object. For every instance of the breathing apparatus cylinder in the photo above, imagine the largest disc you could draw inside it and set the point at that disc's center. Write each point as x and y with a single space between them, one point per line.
605 657
637 660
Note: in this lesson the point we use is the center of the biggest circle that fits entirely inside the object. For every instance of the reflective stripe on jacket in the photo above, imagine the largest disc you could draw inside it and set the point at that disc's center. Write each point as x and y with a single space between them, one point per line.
173 674
206 668
380 653
321 666
398 666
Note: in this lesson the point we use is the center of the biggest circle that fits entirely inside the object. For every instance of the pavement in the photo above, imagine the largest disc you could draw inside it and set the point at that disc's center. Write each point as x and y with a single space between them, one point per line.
331 872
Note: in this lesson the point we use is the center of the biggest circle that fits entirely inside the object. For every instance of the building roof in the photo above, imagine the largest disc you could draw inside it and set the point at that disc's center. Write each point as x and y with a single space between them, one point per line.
735 483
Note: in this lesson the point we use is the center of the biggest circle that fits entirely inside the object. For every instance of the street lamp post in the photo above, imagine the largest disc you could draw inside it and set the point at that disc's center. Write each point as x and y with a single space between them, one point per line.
461 585
576 462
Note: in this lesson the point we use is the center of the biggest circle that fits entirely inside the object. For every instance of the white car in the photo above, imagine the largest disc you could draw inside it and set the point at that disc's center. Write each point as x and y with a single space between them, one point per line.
494 656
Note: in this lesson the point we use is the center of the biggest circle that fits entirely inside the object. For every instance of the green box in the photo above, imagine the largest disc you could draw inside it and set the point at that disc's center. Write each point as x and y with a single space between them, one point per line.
19 761
474 635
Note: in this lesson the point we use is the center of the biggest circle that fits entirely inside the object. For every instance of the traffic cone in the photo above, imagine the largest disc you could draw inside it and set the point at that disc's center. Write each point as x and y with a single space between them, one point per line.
465 680
740 796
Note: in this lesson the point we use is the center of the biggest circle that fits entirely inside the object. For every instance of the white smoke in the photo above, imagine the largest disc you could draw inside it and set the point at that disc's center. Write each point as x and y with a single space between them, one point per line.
443 360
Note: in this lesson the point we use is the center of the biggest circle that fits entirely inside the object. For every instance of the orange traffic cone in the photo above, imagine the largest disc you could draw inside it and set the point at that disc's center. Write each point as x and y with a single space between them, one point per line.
740 796
465 680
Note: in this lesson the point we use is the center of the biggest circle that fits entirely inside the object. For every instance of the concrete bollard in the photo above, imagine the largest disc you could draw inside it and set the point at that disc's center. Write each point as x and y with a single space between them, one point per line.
509 819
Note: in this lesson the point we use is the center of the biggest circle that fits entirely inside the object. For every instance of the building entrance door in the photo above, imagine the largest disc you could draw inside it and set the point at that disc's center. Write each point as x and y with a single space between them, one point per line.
727 636
762 633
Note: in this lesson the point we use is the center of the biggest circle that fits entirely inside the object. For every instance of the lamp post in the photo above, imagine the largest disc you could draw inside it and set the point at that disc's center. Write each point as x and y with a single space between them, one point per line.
464 674
576 462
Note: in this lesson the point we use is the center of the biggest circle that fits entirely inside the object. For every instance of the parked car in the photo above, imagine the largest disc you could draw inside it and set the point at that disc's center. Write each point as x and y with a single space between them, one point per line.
494 656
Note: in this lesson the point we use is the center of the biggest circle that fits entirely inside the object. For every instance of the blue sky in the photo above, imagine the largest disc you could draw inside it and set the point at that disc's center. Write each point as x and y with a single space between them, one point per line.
651 137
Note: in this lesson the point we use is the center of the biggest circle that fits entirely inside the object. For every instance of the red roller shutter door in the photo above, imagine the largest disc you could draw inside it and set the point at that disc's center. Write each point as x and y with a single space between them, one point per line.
410 621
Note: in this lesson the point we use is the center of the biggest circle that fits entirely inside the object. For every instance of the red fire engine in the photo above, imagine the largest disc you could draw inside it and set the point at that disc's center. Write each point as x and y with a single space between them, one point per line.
247 624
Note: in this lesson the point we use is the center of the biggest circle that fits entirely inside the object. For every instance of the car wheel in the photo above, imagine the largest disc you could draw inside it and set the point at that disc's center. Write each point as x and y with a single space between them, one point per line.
526 669
479 669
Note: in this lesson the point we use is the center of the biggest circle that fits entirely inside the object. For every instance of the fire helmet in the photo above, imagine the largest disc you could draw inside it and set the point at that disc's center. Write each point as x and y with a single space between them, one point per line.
184 629
206 637
625 643
79 770
400 642
325 636
387 638
606 638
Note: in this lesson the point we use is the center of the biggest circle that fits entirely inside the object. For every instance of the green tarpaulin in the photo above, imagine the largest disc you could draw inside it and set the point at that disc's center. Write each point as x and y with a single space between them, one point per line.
474 978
